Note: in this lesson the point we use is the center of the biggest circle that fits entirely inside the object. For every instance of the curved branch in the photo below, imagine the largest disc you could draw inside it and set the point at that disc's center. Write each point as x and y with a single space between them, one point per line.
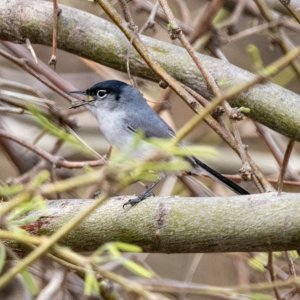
263 222
92 37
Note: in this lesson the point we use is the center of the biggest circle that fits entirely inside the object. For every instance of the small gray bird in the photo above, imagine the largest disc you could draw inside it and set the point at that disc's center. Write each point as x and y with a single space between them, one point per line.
121 111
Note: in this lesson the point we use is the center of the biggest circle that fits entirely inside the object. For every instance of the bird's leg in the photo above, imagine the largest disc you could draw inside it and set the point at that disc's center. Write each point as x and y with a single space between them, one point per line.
147 193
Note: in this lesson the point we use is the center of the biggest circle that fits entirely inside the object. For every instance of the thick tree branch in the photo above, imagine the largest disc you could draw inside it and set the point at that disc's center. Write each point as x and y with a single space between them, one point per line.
263 222
99 40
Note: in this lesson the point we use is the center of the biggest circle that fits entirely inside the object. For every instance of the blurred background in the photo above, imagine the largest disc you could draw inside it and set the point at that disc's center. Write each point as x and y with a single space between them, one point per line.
229 36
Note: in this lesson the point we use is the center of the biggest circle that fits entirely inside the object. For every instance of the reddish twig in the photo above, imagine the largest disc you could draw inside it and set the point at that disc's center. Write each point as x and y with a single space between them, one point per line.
43 69
55 160
275 149
270 268
279 36
294 14
53 58
30 48
150 22
284 164
204 23
23 63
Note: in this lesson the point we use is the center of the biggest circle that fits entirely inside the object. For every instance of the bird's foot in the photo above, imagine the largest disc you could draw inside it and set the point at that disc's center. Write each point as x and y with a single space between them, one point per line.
96 194
139 198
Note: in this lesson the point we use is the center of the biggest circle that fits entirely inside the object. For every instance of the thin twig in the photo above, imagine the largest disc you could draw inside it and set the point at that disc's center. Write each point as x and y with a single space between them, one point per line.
43 69
21 62
286 4
285 162
252 30
12 110
204 22
54 160
30 48
270 268
146 5
269 17
53 58
150 22
237 178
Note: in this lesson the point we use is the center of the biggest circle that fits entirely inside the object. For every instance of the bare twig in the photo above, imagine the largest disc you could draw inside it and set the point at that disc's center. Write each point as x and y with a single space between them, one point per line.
55 160
286 4
252 30
269 17
204 22
146 5
270 268
41 68
150 22
21 62
285 162
13 110
30 48
53 58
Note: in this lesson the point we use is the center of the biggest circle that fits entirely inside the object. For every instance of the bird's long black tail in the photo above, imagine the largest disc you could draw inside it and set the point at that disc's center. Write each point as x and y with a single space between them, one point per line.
227 182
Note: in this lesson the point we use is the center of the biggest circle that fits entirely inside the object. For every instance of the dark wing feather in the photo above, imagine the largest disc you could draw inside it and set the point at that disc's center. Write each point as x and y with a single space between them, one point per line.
149 123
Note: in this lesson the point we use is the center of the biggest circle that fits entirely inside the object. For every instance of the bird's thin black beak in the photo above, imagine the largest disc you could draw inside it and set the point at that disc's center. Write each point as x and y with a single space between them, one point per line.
81 103
78 92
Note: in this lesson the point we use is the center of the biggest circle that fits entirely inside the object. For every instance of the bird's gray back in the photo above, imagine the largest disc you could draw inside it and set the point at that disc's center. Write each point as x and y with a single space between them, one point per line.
140 116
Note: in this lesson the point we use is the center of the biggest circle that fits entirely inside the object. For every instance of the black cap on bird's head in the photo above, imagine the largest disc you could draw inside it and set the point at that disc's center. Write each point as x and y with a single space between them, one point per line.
101 90
109 94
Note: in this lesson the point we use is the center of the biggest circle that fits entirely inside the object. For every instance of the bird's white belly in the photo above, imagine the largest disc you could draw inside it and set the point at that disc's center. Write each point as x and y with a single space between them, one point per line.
112 127
118 135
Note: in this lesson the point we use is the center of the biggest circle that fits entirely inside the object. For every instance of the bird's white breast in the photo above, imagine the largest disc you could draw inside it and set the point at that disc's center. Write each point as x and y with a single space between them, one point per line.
117 134
112 126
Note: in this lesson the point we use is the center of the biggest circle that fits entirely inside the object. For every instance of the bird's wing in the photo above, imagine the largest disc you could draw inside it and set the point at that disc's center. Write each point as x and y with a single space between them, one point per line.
150 124
153 126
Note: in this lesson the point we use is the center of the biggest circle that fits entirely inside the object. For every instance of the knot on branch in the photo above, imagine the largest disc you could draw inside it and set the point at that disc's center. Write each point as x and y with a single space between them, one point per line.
174 32
56 161
236 114
133 27
215 40
163 84
246 171
285 2
218 112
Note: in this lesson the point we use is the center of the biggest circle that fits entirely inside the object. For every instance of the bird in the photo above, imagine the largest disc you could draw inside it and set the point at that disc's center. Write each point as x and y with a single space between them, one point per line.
121 112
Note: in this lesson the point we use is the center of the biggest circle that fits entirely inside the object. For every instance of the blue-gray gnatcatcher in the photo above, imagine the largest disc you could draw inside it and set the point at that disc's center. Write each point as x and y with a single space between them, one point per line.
121 111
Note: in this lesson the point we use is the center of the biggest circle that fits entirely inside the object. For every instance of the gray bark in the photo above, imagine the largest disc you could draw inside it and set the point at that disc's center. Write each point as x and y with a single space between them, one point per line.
94 38
263 222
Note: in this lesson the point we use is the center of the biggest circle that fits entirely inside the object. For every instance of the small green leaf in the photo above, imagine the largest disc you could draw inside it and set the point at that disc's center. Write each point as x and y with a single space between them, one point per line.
91 285
259 296
258 262
7 191
137 269
294 254
55 130
37 203
244 110
113 250
30 282
255 57
2 257
125 247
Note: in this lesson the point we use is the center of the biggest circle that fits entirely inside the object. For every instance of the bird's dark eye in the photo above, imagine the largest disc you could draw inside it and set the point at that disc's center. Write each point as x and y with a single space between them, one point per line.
101 94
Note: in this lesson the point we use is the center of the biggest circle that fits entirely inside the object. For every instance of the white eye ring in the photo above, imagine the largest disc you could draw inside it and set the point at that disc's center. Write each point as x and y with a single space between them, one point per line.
102 94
